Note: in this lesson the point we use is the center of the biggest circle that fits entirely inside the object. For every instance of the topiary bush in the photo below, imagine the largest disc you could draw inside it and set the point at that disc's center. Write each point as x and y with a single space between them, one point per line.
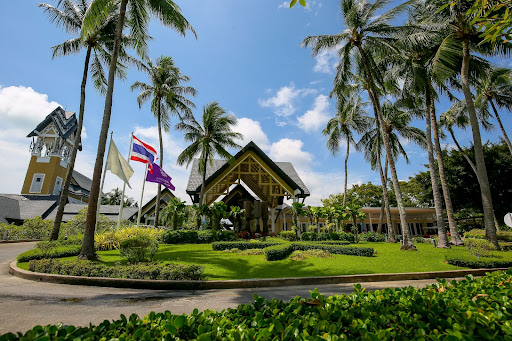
53 252
288 235
110 239
138 249
372 237
476 263
220 246
180 237
478 247
278 252
308 236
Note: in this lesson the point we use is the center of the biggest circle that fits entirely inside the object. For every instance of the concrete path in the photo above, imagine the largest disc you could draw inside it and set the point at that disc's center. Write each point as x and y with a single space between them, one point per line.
24 303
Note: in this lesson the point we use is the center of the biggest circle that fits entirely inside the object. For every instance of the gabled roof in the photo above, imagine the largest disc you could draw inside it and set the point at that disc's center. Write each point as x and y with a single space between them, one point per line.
82 181
65 122
152 201
284 170
110 211
19 207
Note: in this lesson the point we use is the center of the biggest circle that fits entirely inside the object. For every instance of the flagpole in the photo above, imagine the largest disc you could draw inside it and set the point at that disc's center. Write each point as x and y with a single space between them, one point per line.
102 183
124 186
142 195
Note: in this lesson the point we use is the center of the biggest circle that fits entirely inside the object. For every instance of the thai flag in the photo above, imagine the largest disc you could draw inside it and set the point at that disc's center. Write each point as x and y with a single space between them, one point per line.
143 152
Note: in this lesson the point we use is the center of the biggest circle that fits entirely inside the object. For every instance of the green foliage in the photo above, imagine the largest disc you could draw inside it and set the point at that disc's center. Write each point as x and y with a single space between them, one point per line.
180 237
478 247
349 237
288 235
49 251
138 249
114 198
174 214
373 237
76 225
278 252
505 236
421 240
132 271
219 246
335 249
493 19
112 238
470 309
34 228
308 236
476 263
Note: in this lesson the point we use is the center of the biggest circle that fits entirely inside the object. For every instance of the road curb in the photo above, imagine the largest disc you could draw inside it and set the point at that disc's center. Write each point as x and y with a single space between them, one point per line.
20 241
236 284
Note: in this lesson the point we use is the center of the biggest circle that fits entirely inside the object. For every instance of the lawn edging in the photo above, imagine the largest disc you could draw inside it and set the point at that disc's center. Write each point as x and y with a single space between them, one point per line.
240 283
19 241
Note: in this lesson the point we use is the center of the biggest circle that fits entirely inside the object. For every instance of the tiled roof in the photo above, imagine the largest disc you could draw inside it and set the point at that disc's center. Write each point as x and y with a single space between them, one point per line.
9 208
82 180
110 211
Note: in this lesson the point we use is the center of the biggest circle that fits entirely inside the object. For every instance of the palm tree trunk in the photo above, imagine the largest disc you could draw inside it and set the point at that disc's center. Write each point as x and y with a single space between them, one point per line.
455 240
346 174
407 243
69 175
203 184
505 136
441 228
88 251
159 190
473 167
485 188
387 208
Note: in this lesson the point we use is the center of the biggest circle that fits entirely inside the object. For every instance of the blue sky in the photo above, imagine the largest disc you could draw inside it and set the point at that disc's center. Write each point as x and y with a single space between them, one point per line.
247 57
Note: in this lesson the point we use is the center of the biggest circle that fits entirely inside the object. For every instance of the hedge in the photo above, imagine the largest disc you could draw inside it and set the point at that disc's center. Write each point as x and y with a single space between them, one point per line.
505 236
471 309
197 237
333 242
134 271
336 249
221 246
372 237
481 263
278 252
57 252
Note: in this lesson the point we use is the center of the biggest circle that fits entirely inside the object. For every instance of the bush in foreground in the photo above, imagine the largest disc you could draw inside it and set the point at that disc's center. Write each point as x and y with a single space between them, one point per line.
55 252
473 308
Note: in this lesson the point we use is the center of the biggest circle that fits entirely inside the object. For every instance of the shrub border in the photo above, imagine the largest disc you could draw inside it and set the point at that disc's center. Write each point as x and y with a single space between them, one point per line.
240 283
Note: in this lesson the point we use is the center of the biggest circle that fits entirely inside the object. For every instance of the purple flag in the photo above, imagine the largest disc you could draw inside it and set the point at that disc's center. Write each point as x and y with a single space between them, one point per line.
160 177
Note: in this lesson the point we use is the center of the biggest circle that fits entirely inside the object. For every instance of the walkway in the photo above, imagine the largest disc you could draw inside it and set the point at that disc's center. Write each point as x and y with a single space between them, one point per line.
24 304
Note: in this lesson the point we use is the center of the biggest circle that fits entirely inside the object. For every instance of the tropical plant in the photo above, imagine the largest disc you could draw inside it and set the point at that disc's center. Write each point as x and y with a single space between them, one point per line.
174 214
219 211
350 118
354 212
297 212
70 14
114 198
493 20
367 33
238 214
167 94
137 19
209 138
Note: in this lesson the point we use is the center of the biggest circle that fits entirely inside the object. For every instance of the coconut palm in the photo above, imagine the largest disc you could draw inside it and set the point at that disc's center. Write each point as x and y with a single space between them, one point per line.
495 89
167 96
461 38
136 15
367 35
350 118
69 15
209 138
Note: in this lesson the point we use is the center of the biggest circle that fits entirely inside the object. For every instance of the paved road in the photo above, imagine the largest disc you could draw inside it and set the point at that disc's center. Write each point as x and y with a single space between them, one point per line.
24 303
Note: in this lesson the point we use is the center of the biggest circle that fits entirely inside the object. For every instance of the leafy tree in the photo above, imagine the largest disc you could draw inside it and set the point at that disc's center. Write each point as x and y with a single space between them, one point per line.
167 96
219 211
114 198
354 212
493 19
209 138
297 212
174 214
238 214
137 19
69 14
317 213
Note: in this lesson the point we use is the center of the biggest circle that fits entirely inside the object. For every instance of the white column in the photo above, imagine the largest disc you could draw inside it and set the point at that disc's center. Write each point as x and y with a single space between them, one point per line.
272 218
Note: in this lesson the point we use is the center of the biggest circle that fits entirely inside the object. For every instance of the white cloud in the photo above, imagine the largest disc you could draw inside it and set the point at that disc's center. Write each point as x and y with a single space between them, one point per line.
326 61
315 119
285 4
291 150
251 130
283 102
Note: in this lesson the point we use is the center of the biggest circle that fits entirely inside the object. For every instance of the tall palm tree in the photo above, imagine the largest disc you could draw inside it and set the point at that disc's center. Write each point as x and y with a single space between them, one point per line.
209 138
168 97
350 118
496 90
135 14
69 14
367 34
462 37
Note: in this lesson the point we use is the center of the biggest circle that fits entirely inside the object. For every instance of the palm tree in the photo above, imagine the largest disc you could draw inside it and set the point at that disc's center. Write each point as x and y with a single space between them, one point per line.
137 19
349 119
462 36
168 96
209 138
496 89
237 213
369 34
97 43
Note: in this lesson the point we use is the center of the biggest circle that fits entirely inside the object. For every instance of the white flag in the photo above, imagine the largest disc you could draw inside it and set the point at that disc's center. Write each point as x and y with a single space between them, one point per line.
117 164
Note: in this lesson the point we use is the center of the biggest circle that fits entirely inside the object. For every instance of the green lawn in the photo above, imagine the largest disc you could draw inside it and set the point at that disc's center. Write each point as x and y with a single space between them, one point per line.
220 265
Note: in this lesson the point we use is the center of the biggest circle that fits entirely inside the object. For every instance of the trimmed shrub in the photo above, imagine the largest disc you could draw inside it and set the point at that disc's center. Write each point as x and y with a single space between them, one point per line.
421 240
34 228
372 237
336 249
506 246
288 235
225 236
349 237
505 236
478 247
138 249
205 237
308 236
220 246
278 252
55 252
333 242
475 263
180 237
134 271
112 239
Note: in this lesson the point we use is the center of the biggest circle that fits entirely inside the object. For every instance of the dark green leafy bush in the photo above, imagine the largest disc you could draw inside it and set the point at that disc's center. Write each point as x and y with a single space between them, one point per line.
349 237
335 249
180 237
56 252
372 237
482 263
220 246
205 237
333 242
471 309
278 252
505 236
138 249
308 236
288 235
133 271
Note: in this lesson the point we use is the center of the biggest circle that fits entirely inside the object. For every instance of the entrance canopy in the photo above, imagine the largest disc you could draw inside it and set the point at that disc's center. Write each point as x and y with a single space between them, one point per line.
267 179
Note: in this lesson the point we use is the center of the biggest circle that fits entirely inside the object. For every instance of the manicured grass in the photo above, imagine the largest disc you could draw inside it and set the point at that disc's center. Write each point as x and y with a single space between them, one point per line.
219 265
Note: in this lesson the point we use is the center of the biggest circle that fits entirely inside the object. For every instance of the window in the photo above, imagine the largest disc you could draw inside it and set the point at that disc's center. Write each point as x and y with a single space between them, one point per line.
58 186
37 183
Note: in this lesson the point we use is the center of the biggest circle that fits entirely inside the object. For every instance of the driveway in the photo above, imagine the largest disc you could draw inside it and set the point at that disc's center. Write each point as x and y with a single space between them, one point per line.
24 303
